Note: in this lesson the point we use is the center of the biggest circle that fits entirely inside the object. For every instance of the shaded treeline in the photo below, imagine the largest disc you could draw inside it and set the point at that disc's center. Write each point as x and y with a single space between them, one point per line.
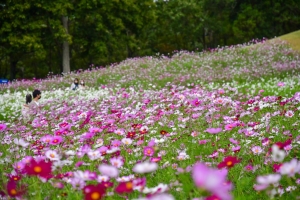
57 36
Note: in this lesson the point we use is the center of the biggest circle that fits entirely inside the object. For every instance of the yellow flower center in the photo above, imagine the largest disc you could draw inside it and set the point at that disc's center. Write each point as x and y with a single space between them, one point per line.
37 169
52 155
229 163
129 185
13 192
95 195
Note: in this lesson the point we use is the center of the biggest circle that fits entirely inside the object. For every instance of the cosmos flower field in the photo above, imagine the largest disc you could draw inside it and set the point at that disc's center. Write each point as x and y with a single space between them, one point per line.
211 125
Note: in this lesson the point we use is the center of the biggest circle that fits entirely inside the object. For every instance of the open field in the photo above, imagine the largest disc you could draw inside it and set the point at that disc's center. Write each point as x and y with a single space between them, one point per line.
198 125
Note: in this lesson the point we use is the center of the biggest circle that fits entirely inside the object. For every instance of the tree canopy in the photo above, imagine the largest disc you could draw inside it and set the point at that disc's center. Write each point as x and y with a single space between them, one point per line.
98 32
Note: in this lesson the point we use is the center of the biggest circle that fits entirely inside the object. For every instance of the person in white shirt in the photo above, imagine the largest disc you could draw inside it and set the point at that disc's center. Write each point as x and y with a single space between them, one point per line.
25 108
75 85
34 105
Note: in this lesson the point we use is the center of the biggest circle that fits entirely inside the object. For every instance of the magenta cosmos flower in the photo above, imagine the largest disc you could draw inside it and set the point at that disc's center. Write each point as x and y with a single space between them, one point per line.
214 130
2 127
228 162
56 140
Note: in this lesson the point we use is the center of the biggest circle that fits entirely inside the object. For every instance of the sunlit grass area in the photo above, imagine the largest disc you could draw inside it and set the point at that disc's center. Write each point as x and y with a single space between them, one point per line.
293 39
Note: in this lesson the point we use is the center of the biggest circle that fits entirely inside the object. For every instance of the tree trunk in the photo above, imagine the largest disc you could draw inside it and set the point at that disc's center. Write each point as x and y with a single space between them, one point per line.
66 51
203 38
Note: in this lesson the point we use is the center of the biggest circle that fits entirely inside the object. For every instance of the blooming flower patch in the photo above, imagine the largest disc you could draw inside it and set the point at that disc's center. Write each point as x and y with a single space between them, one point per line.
176 141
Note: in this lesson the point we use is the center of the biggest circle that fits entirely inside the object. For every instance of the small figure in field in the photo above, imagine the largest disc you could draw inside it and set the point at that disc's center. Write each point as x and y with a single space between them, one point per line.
75 85
25 108
34 105
82 85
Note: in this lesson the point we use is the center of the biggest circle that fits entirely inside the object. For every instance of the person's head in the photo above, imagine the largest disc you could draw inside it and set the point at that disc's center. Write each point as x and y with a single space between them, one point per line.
76 80
36 94
82 83
28 98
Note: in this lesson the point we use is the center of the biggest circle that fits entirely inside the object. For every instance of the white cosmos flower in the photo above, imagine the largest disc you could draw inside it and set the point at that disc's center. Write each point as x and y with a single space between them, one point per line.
126 141
163 196
52 155
277 154
102 178
108 170
21 142
70 153
145 167
290 168
268 179
161 188
94 155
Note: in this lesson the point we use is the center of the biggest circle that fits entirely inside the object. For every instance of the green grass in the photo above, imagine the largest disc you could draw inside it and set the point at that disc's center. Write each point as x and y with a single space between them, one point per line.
293 39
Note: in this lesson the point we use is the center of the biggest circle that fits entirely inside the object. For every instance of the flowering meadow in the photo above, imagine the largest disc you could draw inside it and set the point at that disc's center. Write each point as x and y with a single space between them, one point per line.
215 125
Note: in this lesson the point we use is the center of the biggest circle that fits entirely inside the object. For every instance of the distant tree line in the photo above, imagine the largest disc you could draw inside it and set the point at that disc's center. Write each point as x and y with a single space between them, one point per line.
38 37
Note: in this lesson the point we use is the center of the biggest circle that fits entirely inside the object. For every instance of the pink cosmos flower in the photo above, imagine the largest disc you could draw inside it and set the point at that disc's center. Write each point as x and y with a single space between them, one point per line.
256 150
151 143
229 127
56 140
108 170
214 130
145 167
290 168
103 150
203 141
212 180
116 143
148 151
94 155
249 168
233 141
289 113
280 84
265 141
120 132
77 183
2 127
94 130
196 102
46 138
236 148
117 162
265 181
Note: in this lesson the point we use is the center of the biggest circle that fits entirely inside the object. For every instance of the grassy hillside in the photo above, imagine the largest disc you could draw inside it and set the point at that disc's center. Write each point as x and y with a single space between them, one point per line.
293 39
218 125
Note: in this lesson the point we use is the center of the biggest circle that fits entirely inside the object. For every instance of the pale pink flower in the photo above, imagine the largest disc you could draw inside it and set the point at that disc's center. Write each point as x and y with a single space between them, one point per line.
145 167
256 150
289 113
102 178
117 162
127 141
52 155
290 168
108 170
265 181
212 180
